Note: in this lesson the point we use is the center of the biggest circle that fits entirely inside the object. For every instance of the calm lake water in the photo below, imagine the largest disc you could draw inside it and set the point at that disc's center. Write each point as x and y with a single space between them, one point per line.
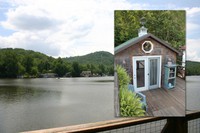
30 104
193 92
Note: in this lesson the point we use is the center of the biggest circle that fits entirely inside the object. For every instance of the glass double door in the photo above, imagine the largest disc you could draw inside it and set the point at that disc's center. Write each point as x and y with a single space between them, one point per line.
146 72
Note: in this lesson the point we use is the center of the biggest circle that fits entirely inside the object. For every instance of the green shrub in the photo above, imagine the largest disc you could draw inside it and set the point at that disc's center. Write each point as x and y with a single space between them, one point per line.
123 77
130 104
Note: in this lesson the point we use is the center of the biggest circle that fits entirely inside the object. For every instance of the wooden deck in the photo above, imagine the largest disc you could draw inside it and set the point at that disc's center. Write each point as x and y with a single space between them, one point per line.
163 102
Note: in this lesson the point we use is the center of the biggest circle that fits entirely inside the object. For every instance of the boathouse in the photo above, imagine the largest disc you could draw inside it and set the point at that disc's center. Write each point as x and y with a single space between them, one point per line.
144 57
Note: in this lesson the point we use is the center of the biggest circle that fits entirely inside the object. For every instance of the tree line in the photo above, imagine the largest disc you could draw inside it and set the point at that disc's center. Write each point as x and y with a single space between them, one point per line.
192 68
27 63
167 25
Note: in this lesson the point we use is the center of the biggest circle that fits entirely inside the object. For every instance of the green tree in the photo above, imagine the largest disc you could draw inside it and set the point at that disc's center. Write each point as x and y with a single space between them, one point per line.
76 71
34 71
192 68
9 64
167 25
60 67
44 65
28 63
102 69
21 69
92 68
111 70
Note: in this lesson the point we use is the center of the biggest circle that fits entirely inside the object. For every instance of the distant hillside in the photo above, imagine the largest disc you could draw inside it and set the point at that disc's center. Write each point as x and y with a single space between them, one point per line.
27 63
95 58
20 51
192 68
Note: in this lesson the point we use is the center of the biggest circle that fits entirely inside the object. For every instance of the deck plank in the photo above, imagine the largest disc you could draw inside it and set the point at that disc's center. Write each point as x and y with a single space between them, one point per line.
163 102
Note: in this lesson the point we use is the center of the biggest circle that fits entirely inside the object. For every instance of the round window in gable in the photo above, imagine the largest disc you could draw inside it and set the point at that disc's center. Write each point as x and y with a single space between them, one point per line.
147 46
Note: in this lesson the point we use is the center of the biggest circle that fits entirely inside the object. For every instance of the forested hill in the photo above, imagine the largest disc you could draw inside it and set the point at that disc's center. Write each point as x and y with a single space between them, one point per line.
23 52
95 58
27 63
192 68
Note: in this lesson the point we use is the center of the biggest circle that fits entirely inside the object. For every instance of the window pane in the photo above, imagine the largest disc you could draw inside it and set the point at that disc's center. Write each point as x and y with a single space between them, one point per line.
140 73
153 71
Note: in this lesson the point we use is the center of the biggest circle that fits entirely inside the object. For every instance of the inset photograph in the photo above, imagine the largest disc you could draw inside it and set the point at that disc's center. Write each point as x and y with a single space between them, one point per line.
149 63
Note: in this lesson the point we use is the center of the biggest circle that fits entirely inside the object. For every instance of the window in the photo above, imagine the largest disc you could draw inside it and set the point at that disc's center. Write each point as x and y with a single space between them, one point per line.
147 46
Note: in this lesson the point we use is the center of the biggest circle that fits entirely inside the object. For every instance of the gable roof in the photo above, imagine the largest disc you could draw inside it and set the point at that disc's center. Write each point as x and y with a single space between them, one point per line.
134 41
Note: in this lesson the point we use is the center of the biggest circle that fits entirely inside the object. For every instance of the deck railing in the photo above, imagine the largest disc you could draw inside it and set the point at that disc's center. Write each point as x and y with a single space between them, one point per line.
190 123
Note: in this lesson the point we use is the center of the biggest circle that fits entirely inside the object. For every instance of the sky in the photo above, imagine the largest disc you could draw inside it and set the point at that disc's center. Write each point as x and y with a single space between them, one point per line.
75 27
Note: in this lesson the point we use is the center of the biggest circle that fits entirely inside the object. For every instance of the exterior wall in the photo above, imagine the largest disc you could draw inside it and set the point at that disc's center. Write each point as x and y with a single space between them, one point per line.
124 58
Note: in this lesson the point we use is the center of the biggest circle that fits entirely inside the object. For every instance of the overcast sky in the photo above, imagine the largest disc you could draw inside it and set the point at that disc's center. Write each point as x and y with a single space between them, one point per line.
77 27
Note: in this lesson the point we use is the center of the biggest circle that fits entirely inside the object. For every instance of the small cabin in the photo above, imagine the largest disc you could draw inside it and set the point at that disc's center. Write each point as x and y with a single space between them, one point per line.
86 74
144 58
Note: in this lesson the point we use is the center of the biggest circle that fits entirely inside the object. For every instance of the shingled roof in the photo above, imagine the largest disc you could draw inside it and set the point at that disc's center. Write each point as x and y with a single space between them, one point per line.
134 41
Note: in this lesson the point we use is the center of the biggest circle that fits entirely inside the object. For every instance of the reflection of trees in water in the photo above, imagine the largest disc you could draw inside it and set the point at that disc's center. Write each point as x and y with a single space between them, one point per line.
20 93
111 80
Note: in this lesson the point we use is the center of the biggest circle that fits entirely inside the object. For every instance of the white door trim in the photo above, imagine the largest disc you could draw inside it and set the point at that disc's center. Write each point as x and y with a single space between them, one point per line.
135 76
159 71
146 60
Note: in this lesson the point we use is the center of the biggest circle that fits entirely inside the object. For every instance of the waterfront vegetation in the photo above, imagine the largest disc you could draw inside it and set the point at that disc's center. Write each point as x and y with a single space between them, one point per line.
27 63
130 104
192 68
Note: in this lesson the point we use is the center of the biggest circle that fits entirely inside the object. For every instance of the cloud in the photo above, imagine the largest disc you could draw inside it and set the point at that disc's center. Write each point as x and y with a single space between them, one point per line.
29 41
192 26
193 49
29 22
193 22
29 18
69 28
191 12
64 28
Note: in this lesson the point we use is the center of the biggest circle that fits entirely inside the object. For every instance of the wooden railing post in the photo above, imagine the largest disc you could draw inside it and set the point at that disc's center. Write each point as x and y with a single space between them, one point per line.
176 125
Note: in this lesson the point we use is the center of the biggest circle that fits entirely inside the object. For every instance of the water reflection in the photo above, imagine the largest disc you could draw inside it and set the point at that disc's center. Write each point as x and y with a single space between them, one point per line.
193 92
12 94
30 104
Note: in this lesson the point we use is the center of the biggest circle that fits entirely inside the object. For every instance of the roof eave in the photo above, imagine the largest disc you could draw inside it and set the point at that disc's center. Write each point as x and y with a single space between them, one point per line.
131 43
146 36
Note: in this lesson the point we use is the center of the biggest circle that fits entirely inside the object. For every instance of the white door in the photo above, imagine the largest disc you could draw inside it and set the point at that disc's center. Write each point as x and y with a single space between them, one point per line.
154 73
146 72
140 73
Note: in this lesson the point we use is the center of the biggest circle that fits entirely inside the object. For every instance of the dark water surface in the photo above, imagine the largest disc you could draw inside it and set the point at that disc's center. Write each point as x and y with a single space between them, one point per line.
30 104
193 92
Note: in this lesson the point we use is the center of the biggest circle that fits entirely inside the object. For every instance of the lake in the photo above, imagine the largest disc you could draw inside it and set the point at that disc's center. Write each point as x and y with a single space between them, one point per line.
193 92
32 104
